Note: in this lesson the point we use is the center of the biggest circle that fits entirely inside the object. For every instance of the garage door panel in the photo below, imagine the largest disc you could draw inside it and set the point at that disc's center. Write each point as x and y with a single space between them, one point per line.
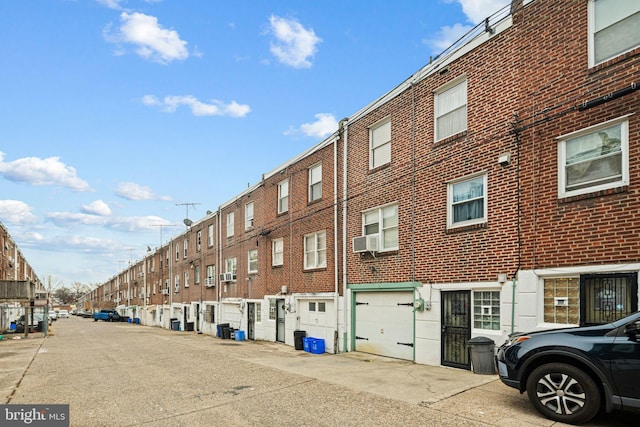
384 324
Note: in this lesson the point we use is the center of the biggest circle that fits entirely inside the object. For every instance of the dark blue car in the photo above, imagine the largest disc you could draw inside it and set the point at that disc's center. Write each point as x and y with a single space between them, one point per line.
571 374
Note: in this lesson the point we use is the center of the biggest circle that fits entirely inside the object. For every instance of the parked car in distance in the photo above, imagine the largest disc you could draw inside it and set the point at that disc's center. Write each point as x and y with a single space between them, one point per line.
63 313
571 374
106 314
53 315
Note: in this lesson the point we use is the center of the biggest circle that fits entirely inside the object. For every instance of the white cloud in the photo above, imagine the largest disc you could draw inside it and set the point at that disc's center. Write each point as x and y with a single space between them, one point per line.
151 39
198 108
37 171
324 125
97 207
111 4
475 11
133 223
294 44
133 191
16 212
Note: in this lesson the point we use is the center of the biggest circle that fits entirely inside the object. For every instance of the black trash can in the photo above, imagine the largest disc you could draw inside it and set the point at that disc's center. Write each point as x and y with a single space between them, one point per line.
298 336
190 326
226 333
220 328
481 350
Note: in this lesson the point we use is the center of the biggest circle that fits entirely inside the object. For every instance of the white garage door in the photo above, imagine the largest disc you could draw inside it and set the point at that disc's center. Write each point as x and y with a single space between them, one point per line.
317 318
384 323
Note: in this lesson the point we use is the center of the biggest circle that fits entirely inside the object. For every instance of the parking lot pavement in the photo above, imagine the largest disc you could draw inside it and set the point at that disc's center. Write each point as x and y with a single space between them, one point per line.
158 377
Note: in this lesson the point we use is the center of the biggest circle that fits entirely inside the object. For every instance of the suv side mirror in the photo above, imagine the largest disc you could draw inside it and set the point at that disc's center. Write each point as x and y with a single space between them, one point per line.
632 329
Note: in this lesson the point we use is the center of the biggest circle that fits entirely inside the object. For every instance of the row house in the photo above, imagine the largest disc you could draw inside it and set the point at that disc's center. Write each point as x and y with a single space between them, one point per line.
494 190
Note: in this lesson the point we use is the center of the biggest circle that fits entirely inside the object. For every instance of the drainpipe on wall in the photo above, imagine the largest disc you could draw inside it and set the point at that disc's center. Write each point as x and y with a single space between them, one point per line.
344 234
336 262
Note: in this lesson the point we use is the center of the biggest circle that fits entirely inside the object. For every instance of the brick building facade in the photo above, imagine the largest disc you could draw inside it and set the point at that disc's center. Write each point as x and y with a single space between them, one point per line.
492 191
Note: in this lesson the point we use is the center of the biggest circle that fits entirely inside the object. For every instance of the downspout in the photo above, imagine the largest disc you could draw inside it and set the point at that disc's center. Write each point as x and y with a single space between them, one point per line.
345 310
336 261
519 210
217 278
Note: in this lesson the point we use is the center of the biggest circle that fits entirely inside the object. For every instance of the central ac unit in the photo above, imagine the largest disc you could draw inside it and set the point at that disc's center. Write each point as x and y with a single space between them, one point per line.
209 282
368 243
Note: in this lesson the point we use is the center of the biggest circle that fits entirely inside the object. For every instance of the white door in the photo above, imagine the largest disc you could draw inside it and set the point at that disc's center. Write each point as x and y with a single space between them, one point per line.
384 323
317 318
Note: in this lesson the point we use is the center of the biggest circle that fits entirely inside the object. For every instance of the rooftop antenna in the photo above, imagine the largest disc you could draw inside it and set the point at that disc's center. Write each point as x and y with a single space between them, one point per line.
187 221
161 226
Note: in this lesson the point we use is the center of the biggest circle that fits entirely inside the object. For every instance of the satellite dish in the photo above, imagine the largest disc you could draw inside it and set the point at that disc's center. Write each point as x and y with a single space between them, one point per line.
187 222
148 249
209 212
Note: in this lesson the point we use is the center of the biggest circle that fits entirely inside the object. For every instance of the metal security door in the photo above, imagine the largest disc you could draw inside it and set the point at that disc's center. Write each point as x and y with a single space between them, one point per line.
280 326
456 328
251 321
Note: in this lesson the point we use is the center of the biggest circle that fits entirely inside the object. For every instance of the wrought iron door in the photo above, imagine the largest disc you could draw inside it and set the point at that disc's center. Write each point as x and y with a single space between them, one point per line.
456 328
251 321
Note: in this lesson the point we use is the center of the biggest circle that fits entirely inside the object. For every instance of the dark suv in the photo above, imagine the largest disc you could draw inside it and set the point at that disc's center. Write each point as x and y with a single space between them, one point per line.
571 374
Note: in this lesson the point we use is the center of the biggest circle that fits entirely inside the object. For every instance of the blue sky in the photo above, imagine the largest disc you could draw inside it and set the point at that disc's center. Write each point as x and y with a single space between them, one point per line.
115 113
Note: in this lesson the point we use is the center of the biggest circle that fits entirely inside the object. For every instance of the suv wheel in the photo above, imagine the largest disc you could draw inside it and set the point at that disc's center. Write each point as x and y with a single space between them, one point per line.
563 393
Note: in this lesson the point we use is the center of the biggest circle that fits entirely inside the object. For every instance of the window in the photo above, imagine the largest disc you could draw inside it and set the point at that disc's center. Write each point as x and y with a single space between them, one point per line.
196 275
253 261
315 250
186 246
614 28
380 144
258 312
467 201
315 183
606 298
277 249
230 266
177 252
562 300
230 221
273 309
317 306
451 110
186 279
210 235
383 222
211 274
283 196
486 310
198 240
176 283
248 216
594 159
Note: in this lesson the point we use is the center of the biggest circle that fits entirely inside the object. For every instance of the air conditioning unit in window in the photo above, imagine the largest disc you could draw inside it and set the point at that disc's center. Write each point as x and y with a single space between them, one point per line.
209 282
227 277
368 243
165 292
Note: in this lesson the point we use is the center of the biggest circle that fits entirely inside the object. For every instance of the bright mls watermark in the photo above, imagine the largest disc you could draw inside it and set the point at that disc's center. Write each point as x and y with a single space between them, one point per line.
34 415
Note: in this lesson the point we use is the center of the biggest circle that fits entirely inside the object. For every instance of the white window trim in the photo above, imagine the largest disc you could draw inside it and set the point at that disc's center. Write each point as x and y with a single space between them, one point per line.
379 209
591 25
378 124
249 270
624 145
230 223
273 252
483 219
312 183
248 219
280 196
437 92
315 250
